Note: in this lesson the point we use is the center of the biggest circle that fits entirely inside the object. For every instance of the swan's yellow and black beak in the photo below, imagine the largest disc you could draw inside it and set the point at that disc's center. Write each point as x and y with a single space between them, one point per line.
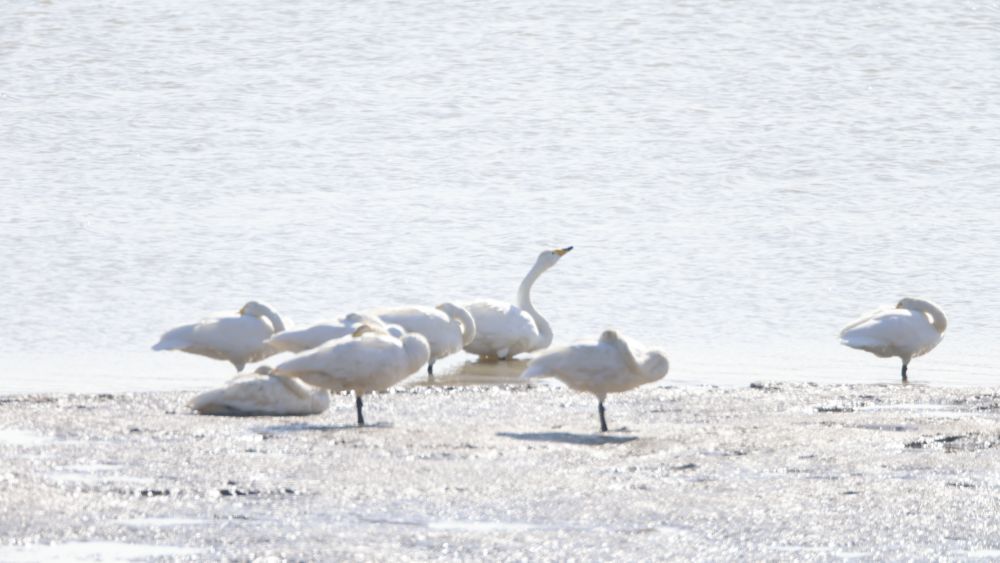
561 251
242 311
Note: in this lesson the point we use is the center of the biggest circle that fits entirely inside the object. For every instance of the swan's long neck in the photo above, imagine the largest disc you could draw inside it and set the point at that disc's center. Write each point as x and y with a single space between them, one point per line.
464 318
524 302
276 321
938 320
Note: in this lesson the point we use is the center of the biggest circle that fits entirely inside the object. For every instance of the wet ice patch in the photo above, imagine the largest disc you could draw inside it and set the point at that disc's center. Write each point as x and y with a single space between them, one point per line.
15 437
161 522
92 551
480 526
934 411
93 473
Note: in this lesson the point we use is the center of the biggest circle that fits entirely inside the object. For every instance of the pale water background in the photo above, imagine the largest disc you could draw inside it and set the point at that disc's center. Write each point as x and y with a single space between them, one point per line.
740 179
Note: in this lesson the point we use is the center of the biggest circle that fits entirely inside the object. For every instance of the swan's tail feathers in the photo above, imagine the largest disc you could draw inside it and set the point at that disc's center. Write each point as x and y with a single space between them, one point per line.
176 339
168 344
873 345
537 369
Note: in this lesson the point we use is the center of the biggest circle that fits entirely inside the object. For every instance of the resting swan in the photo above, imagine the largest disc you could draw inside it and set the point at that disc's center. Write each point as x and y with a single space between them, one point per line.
504 330
609 366
309 338
369 360
446 327
262 394
239 340
913 328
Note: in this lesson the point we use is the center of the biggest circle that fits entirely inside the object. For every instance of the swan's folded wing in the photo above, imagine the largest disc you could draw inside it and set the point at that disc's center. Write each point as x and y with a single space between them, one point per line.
892 332
308 338
499 326
343 363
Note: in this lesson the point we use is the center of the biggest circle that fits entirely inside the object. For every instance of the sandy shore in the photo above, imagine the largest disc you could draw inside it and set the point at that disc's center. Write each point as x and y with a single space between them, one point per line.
779 471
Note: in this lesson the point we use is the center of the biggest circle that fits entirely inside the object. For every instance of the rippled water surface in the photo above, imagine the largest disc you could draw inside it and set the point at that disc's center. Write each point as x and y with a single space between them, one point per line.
739 179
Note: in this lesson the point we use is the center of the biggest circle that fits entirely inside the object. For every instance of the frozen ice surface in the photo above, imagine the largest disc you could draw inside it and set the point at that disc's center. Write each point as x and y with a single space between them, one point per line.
778 471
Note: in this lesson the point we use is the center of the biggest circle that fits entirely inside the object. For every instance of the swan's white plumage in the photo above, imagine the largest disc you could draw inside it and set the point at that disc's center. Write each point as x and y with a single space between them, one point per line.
373 361
610 365
313 336
504 330
262 394
238 339
446 327
912 328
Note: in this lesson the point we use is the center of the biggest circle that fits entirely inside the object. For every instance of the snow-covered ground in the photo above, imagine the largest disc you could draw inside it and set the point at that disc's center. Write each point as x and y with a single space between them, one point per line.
779 471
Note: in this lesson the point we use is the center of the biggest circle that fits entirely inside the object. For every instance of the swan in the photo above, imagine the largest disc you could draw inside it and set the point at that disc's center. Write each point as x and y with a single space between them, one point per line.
504 330
913 328
308 338
368 360
448 328
609 366
239 340
269 395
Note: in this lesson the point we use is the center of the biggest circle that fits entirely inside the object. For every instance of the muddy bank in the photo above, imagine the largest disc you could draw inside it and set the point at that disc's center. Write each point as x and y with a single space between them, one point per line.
787 471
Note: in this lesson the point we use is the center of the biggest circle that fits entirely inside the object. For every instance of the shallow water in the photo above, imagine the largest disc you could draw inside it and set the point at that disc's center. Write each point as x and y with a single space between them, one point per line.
739 180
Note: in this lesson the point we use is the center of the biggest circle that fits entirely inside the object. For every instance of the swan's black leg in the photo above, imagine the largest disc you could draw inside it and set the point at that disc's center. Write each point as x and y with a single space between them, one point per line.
904 373
600 411
357 403
430 369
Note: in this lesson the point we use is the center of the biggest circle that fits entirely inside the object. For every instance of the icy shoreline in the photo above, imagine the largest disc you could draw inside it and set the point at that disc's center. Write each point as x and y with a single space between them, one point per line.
785 471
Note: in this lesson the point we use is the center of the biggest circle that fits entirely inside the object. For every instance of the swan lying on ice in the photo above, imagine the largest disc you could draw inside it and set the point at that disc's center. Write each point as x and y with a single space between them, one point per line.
504 330
262 394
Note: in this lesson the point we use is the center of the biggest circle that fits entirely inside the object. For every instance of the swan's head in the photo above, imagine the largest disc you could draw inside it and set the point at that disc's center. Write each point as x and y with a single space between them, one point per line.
263 370
255 309
365 329
548 258
609 337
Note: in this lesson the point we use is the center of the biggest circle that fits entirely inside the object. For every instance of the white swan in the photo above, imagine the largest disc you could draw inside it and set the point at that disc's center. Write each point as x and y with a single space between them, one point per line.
370 360
609 366
311 337
239 340
913 328
447 327
262 394
504 330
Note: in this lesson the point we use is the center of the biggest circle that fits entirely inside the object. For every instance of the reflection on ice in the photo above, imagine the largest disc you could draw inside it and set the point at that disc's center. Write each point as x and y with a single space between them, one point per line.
461 371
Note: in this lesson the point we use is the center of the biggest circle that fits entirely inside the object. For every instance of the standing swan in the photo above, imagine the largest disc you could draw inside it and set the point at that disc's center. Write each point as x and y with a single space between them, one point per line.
504 330
913 328
369 360
608 366
262 394
447 327
239 340
311 337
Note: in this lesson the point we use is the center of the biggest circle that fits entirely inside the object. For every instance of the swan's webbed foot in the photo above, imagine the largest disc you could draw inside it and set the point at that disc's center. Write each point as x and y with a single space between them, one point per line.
358 405
600 411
